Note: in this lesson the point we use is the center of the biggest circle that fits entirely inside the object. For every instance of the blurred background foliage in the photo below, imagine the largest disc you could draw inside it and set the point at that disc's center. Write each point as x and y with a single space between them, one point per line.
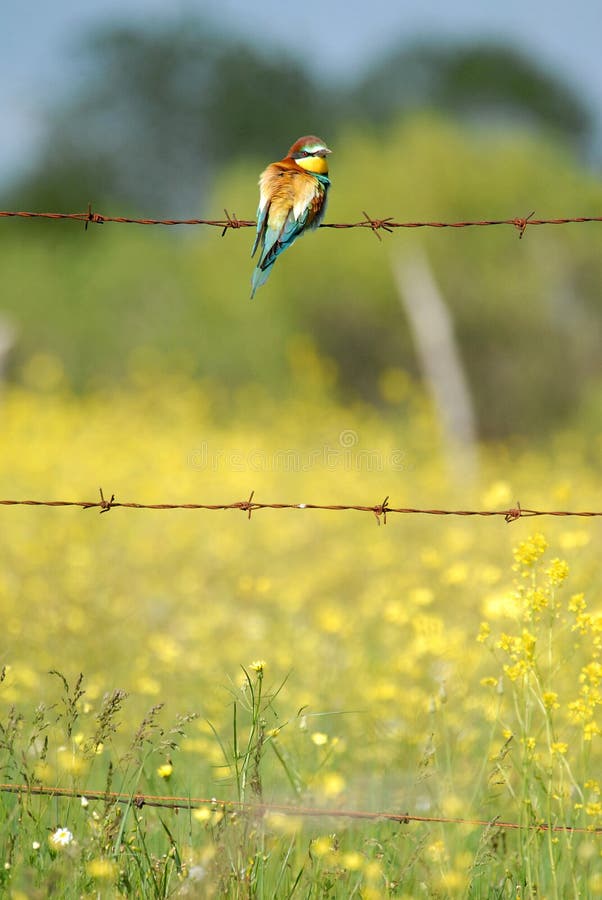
179 119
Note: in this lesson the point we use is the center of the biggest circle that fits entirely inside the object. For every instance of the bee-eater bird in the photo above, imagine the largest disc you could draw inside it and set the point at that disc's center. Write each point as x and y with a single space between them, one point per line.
292 199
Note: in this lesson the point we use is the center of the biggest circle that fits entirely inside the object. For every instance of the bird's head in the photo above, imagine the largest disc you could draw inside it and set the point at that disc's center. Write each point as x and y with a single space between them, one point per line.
310 153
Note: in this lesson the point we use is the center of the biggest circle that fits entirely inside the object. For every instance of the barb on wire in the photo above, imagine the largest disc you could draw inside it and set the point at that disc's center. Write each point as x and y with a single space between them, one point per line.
231 222
93 217
380 510
376 225
513 514
106 505
233 806
247 505
521 224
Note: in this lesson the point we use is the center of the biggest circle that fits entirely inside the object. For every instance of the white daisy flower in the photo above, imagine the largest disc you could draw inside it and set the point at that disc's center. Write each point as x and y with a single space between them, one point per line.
62 837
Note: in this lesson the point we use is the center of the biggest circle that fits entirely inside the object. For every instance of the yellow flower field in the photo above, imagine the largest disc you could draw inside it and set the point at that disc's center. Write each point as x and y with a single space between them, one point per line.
439 666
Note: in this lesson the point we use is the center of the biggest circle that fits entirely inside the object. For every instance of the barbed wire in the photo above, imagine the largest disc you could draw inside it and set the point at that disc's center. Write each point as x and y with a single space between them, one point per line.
380 510
231 221
176 803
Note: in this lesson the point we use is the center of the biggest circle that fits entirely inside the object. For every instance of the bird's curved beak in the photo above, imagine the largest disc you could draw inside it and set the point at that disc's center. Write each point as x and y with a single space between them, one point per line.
324 152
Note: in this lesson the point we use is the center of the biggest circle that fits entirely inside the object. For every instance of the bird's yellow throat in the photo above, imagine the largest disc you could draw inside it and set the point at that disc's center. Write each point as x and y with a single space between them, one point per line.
316 164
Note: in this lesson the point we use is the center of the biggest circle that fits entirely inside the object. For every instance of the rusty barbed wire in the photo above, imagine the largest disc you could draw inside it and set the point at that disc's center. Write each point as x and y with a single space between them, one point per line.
379 510
175 803
231 221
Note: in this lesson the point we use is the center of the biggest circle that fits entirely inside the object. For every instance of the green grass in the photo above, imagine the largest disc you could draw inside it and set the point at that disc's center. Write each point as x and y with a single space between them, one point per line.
112 844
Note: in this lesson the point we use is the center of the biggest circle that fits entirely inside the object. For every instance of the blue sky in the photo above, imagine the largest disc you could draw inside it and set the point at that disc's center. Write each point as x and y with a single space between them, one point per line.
338 38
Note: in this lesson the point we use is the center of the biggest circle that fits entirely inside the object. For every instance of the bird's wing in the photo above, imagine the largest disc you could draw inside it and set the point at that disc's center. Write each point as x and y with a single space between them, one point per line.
262 216
290 200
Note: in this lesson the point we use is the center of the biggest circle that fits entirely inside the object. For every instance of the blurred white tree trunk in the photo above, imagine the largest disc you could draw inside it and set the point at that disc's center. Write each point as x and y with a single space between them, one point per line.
437 349
8 334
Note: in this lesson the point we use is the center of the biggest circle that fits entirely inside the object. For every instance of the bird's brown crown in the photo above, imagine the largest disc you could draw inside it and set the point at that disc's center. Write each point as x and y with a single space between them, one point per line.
310 153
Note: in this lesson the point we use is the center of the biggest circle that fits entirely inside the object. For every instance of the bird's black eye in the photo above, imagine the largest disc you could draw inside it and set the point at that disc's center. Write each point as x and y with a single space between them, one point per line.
302 154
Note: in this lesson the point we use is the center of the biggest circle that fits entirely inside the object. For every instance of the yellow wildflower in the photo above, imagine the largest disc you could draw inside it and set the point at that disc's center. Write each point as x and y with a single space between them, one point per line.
321 846
550 700
484 632
203 814
592 673
333 784
258 666
559 747
372 871
577 603
536 599
590 730
102 868
557 571
437 852
528 552
507 643
353 860
514 672
528 642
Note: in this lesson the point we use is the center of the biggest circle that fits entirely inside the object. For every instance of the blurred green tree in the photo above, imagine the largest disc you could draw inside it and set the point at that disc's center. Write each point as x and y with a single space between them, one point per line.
526 313
160 109
478 81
